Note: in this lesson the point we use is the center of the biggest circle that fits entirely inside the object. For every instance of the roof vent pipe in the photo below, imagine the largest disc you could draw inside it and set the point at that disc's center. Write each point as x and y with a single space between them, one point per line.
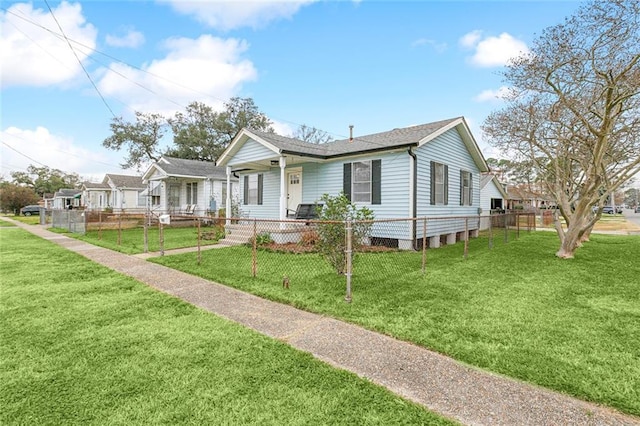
350 133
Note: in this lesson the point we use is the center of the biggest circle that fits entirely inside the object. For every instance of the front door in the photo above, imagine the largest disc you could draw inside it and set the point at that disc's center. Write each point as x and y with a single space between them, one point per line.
294 189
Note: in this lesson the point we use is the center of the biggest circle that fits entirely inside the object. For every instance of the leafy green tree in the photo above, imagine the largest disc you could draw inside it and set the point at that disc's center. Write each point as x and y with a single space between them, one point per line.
242 112
195 133
200 133
14 196
574 112
141 139
45 180
331 228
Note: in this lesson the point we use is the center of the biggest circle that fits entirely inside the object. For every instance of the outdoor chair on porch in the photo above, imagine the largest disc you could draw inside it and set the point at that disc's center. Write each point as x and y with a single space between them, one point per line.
305 211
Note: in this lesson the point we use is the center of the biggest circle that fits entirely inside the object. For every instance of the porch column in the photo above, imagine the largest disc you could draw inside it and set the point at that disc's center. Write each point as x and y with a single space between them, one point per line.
283 190
227 202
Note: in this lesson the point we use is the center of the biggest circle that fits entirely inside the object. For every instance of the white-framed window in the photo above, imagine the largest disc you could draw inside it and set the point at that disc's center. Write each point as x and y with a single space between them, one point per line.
439 183
466 194
253 190
361 181
192 192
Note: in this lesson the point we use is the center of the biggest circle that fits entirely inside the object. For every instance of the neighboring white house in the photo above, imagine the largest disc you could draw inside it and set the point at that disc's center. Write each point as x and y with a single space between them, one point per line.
122 193
66 198
96 195
431 170
126 193
178 186
492 198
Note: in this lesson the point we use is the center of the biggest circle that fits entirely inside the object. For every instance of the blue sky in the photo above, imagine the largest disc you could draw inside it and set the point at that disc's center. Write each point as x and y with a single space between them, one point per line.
377 65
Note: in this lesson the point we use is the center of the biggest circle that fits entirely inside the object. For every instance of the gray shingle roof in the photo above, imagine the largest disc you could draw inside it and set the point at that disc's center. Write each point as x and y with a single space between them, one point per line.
181 167
96 185
126 181
378 141
67 192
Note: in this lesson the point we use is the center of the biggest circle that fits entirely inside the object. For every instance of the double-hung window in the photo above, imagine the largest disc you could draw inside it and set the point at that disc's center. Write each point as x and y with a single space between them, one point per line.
192 192
439 183
361 181
466 188
253 189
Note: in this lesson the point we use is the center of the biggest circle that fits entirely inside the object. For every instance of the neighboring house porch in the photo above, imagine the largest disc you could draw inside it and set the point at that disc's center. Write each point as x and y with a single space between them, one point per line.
188 187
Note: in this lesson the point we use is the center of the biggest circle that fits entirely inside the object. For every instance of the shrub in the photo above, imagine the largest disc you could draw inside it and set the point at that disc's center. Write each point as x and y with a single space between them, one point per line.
309 238
332 230
263 239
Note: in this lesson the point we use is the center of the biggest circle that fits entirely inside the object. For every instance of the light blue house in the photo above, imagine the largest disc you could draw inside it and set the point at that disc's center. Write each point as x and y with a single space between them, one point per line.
430 170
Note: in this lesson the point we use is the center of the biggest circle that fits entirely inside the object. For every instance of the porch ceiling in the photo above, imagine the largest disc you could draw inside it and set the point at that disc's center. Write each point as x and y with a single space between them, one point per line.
272 162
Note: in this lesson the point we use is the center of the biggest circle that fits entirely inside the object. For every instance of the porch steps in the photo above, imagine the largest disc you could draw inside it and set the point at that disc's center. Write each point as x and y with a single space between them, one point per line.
241 233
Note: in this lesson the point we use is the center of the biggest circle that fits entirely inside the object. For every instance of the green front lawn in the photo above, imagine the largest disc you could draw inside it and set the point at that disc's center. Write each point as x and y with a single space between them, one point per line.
132 240
81 344
569 325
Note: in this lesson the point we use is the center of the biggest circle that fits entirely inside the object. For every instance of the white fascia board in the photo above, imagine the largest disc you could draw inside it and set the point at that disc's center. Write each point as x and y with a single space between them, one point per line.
467 138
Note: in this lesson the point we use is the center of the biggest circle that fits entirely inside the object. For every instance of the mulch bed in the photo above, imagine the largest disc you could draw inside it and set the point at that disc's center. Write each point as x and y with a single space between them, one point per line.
296 248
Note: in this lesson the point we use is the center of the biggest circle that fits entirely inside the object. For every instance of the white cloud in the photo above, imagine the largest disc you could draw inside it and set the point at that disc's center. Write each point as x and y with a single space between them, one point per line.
438 47
132 39
35 56
470 39
204 69
492 95
227 15
493 51
22 147
282 128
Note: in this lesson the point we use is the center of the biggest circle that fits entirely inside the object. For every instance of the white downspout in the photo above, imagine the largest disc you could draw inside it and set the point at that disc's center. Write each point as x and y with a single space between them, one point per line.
227 202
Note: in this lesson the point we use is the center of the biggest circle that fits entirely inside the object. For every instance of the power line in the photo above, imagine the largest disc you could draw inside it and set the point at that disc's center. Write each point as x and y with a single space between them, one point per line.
24 155
340 136
78 59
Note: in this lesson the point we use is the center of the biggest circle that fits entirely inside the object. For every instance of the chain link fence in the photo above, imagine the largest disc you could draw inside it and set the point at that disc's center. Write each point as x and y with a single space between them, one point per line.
301 250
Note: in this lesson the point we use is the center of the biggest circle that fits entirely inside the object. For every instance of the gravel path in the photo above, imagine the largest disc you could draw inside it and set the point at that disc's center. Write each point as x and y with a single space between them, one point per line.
439 383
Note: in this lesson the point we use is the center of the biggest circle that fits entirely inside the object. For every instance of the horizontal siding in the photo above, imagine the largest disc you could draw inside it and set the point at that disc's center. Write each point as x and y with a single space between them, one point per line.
327 178
447 149
270 196
251 151
488 192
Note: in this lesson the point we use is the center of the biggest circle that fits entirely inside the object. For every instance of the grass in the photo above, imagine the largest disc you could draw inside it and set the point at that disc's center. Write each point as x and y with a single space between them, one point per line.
568 325
29 220
132 240
82 344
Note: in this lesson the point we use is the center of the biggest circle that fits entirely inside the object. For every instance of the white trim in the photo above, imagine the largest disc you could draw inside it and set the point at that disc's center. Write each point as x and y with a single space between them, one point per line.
283 190
241 138
293 170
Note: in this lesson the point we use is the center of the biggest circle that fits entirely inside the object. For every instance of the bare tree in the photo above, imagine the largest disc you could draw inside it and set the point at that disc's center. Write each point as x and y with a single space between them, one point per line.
574 112
311 134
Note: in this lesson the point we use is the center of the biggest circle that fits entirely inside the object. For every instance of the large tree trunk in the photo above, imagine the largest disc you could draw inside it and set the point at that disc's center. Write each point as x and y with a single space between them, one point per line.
570 242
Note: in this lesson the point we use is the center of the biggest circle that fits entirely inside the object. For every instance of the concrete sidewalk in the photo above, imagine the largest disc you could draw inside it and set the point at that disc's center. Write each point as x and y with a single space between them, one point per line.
439 383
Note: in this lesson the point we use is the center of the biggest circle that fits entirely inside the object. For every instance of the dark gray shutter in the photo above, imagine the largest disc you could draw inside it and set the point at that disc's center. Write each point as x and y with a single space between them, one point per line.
376 178
246 191
260 185
470 189
346 180
461 188
432 200
446 184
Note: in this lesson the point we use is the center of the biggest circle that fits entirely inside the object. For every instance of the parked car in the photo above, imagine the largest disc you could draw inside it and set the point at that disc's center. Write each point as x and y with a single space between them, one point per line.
609 210
637 210
30 210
